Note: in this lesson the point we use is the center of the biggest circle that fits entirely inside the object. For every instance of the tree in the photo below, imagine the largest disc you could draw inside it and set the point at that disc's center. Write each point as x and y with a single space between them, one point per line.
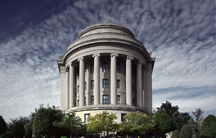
175 134
3 125
196 121
137 122
18 130
179 119
163 123
186 131
28 131
7 135
22 120
102 122
208 127
73 123
43 121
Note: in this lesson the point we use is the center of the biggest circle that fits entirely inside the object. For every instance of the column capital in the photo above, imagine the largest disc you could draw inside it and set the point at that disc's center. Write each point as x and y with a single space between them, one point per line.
72 64
114 54
129 57
66 69
81 58
96 55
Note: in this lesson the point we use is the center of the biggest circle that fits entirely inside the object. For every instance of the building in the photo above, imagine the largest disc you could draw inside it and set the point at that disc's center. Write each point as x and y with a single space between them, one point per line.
105 68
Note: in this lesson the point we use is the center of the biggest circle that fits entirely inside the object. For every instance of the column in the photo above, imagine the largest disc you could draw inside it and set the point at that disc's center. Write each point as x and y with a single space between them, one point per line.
96 79
139 84
71 86
62 87
129 80
66 90
87 85
113 80
144 87
149 86
81 81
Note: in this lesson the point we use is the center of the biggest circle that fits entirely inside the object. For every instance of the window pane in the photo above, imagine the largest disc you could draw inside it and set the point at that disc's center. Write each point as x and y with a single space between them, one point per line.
105 99
92 68
86 116
105 83
92 100
118 67
105 67
118 99
118 83
92 84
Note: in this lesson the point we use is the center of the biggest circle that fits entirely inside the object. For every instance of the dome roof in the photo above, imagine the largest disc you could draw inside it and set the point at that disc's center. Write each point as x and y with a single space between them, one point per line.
105 28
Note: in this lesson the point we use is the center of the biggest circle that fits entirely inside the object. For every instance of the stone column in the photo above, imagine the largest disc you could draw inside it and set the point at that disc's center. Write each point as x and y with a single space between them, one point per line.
66 90
129 80
96 79
144 88
62 87
87 86
139 84
113 80
71 86
149 86
82 81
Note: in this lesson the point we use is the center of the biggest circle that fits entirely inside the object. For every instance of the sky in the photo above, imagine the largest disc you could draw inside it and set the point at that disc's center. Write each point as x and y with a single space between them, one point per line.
180 34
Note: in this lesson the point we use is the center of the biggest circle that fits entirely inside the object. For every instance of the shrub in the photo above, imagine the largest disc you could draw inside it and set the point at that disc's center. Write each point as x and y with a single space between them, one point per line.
3 126
7 135
208 127
28 131
18 130
186 131
175 134
63 137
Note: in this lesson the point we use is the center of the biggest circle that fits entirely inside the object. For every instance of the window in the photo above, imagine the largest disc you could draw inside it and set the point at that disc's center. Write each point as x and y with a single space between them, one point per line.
105 67
105 99
122 116
118 99
92 84
118 67
133 102
85 101
92 100
86 116
77 89
105 83
77 102
92 68
118 83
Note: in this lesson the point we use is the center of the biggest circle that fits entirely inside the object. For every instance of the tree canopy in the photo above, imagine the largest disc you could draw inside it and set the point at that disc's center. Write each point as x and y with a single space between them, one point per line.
102 122
208 127
137 122
22 120
186 131
3 126
28 131
18 130
43 121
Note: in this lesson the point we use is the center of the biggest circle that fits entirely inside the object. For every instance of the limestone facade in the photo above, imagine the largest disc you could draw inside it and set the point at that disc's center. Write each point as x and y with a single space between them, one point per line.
105 68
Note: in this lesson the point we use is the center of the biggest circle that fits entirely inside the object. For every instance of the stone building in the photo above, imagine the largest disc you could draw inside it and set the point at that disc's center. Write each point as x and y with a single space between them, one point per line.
105 68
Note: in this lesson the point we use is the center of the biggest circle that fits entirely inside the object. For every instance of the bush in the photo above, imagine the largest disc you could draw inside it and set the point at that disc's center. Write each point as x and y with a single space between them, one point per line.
7 135
28 131
208 127
63 137
175 134
3 126
18 130
163 123
186 131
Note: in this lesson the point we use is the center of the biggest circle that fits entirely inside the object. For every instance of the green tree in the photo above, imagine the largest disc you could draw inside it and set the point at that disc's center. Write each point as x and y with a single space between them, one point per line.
186 131
208 127
18 130
73 123
175 134
102 122
43 121
28 131
3 126
196 121
163 123
137 122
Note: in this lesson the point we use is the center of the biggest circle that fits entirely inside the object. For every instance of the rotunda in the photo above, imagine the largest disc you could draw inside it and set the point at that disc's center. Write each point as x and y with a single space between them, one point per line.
105 68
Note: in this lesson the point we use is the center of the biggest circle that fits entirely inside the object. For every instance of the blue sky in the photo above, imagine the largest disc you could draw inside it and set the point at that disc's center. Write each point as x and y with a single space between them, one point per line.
180 34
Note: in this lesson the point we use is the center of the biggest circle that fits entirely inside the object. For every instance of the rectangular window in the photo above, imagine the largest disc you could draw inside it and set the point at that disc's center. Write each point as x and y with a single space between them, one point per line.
105 83
92 100
105 67
85 101
118 83
92 84
105 99
118 99
77 89
118 67
77 102
133 102
122 116
92 68
86 116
